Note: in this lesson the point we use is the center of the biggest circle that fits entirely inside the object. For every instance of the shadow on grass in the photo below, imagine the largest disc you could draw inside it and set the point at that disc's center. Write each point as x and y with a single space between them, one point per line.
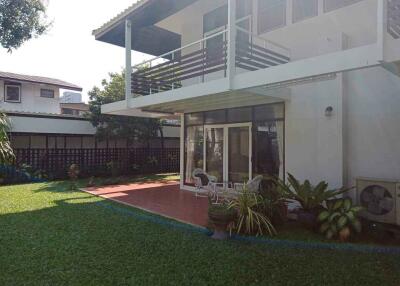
68 186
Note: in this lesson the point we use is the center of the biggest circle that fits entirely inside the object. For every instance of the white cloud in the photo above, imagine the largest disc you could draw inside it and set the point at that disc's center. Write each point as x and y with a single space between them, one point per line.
69 51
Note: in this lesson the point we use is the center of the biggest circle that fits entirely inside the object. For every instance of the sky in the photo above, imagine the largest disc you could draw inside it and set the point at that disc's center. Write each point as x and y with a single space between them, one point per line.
68 51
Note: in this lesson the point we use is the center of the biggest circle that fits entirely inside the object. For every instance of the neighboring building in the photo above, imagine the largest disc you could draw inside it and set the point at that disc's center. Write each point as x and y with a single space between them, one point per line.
24 93
71 97
78 109
309 87
40 121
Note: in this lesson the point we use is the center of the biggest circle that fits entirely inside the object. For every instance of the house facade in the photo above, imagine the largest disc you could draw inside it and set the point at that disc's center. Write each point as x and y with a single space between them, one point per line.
309 87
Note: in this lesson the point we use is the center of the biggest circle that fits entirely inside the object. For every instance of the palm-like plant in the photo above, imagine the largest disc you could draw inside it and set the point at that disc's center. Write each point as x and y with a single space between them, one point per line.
6 152
310 197
250 219
339 218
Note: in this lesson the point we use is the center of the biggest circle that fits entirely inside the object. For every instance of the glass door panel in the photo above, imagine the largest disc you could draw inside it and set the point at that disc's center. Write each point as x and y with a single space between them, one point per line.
238 154
215 152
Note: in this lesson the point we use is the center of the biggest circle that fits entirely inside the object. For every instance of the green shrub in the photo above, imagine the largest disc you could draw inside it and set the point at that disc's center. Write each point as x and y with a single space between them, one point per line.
339 219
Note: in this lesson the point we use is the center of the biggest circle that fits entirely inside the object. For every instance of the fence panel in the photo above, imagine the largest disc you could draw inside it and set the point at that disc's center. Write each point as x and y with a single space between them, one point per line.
55 162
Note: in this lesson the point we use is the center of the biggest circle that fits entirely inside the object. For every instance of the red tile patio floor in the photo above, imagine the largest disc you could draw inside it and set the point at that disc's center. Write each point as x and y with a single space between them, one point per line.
163 198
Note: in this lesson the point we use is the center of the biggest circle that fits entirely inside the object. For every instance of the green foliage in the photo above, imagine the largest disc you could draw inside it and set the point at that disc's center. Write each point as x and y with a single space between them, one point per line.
118 127
73 174
274 203
310 197
6 152
340 215
21 20
250 218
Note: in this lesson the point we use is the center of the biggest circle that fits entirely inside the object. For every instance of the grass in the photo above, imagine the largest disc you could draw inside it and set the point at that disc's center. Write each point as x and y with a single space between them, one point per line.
52 236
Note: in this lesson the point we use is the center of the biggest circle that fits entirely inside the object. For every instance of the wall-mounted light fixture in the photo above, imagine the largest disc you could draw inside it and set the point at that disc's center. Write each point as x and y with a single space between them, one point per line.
329 111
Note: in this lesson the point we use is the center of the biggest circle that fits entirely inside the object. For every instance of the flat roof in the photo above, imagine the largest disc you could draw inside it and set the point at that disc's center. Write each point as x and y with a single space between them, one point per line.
146 36
38 79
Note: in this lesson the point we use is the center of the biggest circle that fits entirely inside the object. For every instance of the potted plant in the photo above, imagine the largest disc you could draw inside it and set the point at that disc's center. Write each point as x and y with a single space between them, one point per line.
252 217
339 219
73 174
220 216
309 197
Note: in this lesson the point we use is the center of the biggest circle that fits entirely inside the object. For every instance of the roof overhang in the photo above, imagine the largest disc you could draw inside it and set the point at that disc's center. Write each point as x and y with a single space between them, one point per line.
146 36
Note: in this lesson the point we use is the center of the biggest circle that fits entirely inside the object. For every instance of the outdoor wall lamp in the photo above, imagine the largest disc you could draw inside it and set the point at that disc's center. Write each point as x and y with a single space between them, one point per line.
329 111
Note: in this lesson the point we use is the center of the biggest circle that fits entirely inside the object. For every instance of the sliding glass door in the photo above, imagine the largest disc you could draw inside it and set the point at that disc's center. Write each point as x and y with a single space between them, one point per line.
228 152
239 154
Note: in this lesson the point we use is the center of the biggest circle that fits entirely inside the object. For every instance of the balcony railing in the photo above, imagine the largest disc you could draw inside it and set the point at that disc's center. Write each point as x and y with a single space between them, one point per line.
394 18
205 60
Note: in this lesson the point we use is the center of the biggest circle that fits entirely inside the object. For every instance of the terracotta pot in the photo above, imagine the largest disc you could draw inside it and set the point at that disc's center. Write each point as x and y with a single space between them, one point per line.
344 234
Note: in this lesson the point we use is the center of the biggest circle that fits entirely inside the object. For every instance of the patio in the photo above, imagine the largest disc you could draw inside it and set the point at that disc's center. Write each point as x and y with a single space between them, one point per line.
162 198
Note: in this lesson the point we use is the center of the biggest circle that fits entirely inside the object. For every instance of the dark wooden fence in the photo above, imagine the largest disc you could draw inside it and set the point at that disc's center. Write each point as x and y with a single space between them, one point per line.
54 163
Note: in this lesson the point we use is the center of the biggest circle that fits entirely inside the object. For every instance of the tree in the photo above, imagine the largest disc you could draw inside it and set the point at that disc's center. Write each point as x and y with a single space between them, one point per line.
6 152
118 127
21 20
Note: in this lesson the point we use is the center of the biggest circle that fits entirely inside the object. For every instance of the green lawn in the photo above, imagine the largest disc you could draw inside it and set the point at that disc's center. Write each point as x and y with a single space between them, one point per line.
50 236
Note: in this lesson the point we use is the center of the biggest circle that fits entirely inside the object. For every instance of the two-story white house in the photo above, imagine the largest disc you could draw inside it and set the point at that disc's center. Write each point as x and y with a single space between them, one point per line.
309 87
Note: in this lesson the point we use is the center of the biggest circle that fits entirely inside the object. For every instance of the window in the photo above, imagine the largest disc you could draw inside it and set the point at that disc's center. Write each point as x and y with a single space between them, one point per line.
330 5
67 111
303 9
12 92
47 93
271 15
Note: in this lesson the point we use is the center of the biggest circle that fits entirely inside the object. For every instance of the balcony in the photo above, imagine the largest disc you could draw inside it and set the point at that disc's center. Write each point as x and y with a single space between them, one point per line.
241 61
205 60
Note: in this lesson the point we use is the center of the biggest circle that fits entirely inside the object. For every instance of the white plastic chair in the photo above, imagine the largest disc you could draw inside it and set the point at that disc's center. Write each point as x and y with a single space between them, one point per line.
211 189
252 186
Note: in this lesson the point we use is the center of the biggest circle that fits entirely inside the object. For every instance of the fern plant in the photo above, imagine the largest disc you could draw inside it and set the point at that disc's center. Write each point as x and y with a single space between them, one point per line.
339 219
250 219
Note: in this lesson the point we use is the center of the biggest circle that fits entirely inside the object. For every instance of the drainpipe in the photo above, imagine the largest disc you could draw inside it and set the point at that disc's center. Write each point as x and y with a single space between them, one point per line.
128 61
231 38
382 25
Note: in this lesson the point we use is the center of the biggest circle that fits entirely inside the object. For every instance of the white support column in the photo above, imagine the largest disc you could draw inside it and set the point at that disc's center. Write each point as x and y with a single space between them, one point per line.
128 61
231 64
382 23
182 152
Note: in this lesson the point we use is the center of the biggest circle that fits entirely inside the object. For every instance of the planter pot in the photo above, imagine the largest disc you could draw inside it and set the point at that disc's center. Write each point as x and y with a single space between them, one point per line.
219 219
308 219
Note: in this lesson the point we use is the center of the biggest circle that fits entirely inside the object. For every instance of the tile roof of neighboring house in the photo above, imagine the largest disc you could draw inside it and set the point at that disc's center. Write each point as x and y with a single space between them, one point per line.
39 79
120 16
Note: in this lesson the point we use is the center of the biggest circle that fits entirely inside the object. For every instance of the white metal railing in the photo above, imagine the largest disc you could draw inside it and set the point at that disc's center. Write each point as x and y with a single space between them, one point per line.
198 60
172 53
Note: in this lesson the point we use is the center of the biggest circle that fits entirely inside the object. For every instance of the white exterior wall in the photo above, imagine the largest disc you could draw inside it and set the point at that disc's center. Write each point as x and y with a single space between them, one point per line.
31 100
49 125
373 124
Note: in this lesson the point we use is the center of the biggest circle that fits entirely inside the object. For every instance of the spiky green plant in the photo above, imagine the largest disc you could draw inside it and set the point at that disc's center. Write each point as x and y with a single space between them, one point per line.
250 219
6 152
339 218
310 197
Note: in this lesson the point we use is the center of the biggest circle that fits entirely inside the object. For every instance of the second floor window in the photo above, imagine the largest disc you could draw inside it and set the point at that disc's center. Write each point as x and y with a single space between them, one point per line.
303 9
271 15
330 5
47 93
12 93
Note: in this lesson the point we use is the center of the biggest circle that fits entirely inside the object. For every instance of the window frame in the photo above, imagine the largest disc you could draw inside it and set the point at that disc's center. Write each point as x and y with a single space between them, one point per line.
284 24
47 89
294 20
10 84
340 7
